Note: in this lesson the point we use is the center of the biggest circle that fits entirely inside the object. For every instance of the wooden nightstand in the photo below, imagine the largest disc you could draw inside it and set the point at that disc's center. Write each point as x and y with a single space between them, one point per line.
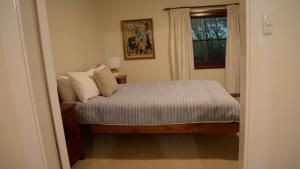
72 133
121 79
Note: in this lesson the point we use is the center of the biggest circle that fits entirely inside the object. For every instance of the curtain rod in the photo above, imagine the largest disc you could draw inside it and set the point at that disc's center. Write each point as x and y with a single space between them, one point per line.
208 6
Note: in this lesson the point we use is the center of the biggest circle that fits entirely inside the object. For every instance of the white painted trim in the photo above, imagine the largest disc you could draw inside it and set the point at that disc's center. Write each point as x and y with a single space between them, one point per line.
28 78
50 77
248 84
23 101
245 130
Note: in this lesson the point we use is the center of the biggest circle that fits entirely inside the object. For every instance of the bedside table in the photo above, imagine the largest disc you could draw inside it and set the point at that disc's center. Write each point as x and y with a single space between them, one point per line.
121 79
72 133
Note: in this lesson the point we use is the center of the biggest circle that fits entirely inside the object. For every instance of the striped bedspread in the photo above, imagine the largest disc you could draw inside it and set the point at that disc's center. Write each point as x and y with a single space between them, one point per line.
171 102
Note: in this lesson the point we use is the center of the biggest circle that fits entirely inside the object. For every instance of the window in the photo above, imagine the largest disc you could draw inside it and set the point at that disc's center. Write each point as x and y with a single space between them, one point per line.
209 33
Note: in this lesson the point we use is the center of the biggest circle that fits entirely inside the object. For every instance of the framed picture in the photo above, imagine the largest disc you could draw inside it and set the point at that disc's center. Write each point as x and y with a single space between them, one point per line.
138 39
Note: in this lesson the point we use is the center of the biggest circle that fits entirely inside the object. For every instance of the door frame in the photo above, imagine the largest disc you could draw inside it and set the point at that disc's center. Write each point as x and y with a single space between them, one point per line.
54 104
31 116
50 76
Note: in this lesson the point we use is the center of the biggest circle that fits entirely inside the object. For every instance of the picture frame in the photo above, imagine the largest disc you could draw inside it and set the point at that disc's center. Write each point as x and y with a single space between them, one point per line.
138 41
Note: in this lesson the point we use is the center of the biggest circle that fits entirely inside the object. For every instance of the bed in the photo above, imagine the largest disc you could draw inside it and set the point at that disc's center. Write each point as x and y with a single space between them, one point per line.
171 107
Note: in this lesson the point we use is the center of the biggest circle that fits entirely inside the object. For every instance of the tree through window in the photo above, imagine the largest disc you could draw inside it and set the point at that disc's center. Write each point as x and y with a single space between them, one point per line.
209 33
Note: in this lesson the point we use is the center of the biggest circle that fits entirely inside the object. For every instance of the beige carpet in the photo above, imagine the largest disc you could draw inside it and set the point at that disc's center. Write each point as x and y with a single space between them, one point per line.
205 151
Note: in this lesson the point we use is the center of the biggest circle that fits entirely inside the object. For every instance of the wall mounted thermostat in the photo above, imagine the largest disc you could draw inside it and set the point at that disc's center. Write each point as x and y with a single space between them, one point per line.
267 25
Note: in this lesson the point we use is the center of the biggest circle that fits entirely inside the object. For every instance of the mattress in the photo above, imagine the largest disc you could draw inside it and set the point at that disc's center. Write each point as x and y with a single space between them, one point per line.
161 103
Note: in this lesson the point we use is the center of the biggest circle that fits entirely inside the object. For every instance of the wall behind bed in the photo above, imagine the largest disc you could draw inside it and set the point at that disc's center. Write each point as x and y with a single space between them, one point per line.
76 35
83 32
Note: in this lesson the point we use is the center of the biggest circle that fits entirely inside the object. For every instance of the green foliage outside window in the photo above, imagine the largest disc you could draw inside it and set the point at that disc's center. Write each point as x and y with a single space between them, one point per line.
209 39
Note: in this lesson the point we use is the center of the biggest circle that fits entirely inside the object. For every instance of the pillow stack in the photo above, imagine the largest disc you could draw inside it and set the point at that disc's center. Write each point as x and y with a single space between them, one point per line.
86 85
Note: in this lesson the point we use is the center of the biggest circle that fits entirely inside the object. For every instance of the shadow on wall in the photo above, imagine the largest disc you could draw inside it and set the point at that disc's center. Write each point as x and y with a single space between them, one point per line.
149 147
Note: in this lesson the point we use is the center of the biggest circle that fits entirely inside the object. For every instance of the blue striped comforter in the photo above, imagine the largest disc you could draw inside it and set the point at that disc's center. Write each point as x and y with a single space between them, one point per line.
170 102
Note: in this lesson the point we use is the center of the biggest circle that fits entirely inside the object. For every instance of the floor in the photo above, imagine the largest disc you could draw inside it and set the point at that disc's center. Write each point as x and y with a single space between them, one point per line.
205 151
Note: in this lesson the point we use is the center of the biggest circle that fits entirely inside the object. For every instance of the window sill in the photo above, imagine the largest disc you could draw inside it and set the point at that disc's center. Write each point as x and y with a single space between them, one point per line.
210 67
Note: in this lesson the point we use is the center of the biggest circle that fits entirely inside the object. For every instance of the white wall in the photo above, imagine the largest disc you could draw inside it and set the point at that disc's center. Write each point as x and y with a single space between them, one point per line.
85 31
273 113
75 34
285 135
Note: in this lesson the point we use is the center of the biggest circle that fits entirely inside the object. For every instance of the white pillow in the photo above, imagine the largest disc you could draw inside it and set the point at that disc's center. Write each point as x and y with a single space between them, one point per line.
91 71
65 90
83 85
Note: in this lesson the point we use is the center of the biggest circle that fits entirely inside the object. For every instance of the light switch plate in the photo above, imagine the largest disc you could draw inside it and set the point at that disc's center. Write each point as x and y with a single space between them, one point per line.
267 25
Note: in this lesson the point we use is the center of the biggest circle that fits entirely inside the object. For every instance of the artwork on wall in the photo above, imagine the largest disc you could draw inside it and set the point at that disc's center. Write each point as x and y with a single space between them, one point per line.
138 39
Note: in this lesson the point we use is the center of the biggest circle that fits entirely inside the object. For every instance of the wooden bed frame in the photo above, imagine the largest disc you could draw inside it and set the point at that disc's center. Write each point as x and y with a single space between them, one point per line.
191 128
196 128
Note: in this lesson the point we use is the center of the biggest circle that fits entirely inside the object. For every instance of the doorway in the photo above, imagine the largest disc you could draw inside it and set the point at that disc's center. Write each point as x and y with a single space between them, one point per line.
51 72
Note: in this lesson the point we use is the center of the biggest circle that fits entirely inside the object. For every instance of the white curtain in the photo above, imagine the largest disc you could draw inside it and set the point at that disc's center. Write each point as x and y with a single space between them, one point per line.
181 45
232 70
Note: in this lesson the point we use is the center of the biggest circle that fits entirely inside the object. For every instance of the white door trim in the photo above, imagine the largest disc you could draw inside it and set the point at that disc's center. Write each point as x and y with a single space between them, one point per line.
51 82
245 95
23 100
